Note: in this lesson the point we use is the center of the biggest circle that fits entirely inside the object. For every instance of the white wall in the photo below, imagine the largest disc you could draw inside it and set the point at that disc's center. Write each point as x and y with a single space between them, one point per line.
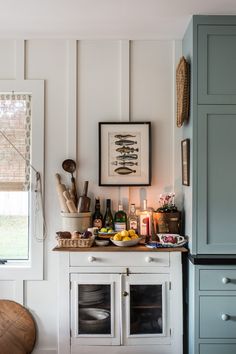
87 82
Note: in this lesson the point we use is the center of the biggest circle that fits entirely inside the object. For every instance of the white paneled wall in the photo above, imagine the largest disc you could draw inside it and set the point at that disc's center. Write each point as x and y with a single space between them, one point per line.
87 82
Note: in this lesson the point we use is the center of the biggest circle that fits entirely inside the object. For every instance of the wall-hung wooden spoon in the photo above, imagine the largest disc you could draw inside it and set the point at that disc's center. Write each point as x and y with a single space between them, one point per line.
70 166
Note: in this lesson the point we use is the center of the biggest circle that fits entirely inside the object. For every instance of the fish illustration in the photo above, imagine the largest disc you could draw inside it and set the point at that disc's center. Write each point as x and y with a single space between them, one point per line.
120 136
124 170
127 157
124 163
125 142
126 149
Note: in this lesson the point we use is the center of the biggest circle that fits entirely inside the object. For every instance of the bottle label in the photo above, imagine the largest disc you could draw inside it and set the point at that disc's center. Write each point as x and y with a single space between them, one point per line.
120 226
144 225
97 223
133 224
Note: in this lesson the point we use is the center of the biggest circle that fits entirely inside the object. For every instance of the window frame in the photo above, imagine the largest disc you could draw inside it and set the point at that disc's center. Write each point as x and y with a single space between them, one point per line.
31 269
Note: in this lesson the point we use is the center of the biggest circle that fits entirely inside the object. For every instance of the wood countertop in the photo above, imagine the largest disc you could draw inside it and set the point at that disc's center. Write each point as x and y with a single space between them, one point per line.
111 248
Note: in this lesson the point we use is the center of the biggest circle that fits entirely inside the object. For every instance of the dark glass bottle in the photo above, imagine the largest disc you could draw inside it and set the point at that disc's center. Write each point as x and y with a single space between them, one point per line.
108 218
120 219
97 215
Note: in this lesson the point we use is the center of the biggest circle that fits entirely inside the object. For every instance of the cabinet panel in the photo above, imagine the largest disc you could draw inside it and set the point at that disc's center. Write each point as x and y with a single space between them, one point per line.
216 64
218 279
216 179
217 316
218 348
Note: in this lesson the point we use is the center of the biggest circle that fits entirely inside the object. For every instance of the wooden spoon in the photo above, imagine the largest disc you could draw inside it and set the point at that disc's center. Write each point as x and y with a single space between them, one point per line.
70 166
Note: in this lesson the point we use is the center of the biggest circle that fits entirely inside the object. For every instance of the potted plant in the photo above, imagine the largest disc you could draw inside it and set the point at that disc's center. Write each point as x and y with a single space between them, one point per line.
167 218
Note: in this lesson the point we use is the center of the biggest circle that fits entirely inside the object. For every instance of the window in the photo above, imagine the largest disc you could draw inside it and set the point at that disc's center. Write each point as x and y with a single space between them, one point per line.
15 140
21 173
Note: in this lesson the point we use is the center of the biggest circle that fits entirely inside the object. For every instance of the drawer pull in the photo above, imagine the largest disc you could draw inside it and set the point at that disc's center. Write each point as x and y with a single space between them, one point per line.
91 259
225 317
225 280
148 259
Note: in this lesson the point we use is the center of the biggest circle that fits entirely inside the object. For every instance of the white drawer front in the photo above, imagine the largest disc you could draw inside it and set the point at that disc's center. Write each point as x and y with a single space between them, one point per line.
108 259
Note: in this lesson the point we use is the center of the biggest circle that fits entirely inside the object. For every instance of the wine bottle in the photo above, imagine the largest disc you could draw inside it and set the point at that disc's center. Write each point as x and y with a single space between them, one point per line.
120 219
97 215
108 218
145 222
133 219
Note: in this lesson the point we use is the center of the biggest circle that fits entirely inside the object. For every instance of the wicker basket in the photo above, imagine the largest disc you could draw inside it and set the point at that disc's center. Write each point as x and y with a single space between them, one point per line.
72 243
182 91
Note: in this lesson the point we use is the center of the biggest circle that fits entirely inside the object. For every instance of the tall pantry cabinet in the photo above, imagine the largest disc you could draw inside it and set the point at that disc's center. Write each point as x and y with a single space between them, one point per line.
209 45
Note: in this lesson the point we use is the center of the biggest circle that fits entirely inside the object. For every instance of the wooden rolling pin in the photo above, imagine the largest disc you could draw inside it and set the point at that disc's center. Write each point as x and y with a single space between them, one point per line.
69 202
60 189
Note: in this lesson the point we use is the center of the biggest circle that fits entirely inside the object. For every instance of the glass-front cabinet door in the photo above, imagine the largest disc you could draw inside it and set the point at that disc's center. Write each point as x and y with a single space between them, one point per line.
119 309
95 309
146 307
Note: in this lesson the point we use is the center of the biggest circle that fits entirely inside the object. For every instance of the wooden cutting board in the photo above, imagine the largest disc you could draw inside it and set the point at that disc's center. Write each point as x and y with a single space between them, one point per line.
17 328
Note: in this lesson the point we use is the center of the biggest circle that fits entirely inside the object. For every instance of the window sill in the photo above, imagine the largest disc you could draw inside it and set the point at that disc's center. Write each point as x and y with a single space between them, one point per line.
21 270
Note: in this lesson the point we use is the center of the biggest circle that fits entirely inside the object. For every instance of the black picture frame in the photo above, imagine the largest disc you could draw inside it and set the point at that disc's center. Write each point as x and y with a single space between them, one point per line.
124 153
185 158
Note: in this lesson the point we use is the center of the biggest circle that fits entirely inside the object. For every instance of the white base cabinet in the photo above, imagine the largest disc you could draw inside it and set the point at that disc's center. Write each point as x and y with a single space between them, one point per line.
129 302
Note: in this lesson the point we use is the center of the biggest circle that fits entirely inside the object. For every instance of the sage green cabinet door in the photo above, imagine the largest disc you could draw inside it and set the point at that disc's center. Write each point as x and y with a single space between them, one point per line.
218 348
217 317
216 64
216 179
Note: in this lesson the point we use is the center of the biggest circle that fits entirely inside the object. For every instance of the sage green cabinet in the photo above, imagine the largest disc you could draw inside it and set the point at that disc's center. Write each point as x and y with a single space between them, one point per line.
209 45
212 312
210 201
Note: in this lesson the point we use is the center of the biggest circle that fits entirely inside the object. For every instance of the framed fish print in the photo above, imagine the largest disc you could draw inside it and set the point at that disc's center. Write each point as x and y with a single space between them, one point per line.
124 154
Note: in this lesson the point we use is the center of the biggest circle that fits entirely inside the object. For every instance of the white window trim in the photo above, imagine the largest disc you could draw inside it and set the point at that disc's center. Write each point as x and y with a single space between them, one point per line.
32 269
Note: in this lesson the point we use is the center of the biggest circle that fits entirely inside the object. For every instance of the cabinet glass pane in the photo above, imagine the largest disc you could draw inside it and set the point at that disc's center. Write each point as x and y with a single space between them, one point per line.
146 309
94 309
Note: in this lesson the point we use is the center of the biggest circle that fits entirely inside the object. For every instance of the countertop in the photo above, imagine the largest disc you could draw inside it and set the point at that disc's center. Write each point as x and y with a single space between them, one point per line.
111 248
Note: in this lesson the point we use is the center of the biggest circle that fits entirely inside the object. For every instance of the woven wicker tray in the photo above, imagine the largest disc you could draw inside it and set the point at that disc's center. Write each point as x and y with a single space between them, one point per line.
81 242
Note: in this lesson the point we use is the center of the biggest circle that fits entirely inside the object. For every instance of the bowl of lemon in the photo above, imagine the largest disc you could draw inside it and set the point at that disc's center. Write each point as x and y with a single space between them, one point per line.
125 238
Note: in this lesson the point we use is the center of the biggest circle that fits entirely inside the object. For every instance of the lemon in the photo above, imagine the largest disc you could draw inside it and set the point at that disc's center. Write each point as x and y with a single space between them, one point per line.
126 238
117 237
134 236
124 233
131 232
